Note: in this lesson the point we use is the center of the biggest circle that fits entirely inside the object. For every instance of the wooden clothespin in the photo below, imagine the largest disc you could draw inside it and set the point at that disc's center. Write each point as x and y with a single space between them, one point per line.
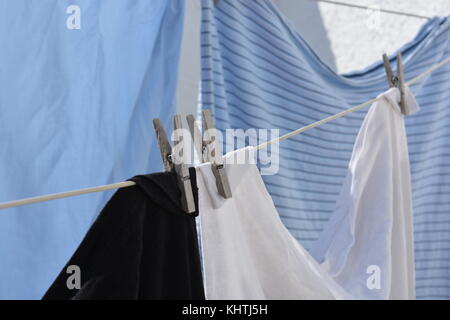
397 80
173 162
213 154
196 137
164 146
208 150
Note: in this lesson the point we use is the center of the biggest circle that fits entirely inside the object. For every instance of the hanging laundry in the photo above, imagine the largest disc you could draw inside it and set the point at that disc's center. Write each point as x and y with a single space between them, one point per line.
367 245
80 82
142 246
258 72
247 251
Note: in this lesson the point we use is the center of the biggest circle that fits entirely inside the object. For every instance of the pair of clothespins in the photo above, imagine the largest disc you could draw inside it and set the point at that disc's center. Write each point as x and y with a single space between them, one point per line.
209 150
396 80
173 162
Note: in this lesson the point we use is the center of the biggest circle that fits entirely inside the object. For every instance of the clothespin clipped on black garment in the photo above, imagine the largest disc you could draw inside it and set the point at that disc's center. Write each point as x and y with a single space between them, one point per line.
208 150
173 162
397 80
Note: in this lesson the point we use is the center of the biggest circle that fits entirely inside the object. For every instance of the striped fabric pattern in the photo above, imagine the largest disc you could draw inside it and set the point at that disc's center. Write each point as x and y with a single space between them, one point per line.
257 72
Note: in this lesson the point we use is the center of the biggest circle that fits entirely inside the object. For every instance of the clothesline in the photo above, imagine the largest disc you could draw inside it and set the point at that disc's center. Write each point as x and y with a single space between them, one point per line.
125 184
351 5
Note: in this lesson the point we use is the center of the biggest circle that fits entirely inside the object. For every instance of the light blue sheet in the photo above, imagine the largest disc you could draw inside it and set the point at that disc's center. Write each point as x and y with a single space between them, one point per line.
75 111
258 72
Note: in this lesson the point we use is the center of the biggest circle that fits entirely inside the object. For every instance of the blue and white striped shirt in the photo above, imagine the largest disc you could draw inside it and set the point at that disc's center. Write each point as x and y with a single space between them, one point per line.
257 72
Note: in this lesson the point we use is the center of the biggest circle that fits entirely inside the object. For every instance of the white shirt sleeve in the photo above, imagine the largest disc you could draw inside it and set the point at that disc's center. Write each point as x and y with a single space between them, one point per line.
367 246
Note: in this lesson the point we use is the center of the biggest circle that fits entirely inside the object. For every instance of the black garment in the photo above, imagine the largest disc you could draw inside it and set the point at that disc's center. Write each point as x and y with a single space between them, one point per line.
142 246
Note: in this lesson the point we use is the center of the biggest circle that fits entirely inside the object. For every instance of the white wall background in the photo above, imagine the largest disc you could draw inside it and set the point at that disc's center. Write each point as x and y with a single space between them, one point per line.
345 38
355 41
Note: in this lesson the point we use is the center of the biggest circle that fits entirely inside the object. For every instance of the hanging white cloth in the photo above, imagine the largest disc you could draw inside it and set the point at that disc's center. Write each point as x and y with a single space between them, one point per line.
365 251
247 251
367 246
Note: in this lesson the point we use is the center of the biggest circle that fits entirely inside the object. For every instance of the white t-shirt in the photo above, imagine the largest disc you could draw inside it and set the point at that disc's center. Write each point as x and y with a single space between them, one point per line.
247 251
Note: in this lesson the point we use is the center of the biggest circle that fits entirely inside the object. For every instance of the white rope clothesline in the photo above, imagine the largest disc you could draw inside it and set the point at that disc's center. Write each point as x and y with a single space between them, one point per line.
125 184
343 113
66 194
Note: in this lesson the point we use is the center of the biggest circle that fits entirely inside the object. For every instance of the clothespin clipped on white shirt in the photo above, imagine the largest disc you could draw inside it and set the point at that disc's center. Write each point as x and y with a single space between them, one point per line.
209 150
397 80
174 162
214 155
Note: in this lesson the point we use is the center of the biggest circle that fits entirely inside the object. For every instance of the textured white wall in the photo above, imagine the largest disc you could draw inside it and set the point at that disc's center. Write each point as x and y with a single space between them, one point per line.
305 16
355 40
343 37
